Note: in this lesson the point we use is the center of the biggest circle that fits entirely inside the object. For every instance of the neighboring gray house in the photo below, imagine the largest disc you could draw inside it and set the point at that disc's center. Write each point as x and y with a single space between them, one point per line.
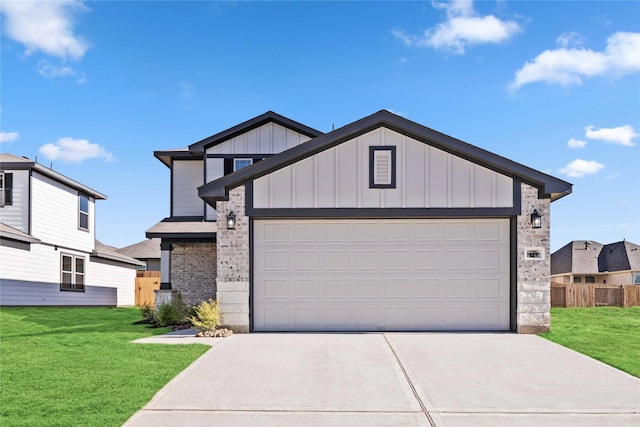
48 251
146 251
586 261
383 224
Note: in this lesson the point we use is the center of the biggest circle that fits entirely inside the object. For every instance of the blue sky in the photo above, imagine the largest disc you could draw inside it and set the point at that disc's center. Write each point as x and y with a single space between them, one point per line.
95 87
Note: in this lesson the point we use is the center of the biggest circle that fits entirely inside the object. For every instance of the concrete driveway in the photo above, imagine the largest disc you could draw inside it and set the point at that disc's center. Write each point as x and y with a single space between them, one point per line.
394 379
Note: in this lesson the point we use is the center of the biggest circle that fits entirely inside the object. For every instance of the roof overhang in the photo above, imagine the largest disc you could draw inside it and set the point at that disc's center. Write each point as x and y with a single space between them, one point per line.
56 176
269 116
9 233
167 156
548 186
176 228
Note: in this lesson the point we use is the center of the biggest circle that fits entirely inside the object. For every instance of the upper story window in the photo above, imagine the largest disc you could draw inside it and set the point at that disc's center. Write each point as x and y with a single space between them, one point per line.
83 212
382 167
6 189
241 163
71 273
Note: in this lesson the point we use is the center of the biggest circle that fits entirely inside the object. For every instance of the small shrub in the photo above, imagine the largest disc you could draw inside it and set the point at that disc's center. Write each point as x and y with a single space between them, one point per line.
172 313
148 314
206 316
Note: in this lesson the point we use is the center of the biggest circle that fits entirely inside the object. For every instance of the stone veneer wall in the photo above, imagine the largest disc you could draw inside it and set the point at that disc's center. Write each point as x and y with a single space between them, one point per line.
193 271
534 287
233 263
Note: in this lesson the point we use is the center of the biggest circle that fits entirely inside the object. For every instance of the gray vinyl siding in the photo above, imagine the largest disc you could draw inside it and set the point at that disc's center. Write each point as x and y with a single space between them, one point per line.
427 177
16 215
270 138
188 175
24 293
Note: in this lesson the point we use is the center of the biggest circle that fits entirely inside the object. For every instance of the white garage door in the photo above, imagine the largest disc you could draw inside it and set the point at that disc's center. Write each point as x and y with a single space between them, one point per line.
376 275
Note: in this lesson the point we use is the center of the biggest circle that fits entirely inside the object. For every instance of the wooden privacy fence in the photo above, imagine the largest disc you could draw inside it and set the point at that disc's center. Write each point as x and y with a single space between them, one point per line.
146 283
594 295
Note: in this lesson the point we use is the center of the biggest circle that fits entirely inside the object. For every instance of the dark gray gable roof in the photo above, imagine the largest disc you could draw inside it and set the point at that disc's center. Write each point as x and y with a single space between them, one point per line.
11 162
619 256
258 121
548 186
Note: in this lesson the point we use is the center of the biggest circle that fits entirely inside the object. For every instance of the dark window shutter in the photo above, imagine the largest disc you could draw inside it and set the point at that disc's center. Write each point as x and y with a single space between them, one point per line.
228 166
8 188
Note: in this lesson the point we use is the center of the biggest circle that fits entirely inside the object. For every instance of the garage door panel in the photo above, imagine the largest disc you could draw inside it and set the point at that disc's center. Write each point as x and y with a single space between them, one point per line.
381 275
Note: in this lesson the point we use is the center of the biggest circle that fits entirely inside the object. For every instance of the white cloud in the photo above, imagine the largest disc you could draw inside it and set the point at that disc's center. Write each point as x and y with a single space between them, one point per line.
579 168
9 136
567 66
576 143
45 26
50 71
570 39
74 150
622 135
461 29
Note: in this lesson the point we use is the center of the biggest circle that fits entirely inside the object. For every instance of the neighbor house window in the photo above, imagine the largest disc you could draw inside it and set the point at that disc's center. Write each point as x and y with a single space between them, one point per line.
72 273
589 279
382 167
577 279
241 163
83 212
6 189
636 278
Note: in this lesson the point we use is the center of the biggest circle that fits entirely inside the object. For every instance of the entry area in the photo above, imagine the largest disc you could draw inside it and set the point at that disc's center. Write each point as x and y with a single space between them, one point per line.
381 274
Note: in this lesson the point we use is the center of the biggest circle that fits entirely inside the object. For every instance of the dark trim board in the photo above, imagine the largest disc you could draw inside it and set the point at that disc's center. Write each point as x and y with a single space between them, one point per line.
185 237
548 185
246 126
389 213
239 156
513 273
251 269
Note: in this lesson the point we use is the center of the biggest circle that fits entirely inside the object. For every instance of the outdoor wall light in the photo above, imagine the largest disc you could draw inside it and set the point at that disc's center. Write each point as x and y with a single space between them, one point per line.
231 221
536 219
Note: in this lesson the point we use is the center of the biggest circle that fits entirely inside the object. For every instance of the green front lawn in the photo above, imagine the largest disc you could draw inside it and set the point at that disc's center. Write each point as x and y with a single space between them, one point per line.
609 334
76 367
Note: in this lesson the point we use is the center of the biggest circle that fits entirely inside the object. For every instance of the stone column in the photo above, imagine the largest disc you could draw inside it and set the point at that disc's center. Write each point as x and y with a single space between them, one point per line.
233 263
533 279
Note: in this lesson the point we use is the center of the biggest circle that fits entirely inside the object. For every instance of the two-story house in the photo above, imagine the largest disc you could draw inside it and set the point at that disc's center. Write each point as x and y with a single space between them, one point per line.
48 251
383 224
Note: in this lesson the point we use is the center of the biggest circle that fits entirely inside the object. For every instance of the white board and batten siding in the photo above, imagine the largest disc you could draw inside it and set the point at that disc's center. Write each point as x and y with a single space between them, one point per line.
54 214
427 177
376 275
16 215
270 138
187 176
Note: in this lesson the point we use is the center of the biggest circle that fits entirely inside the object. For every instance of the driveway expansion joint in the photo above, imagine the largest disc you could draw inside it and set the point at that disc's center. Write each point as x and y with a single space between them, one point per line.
413 388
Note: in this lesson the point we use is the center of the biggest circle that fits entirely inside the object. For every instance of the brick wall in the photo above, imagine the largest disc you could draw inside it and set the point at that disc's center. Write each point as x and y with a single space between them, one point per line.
534 288
193 271
233 263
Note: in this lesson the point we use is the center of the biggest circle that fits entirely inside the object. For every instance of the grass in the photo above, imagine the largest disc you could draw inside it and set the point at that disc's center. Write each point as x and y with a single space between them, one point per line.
76 366
609 334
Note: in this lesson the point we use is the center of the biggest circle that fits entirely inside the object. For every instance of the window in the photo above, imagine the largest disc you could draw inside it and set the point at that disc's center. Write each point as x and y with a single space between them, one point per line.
636 278
382 167
72 273
241 163
577 279
589 279
83 212
6 189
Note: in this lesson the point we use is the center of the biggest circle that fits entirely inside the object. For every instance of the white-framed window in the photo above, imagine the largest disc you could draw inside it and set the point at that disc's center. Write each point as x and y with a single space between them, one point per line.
71 273
382 167
241 163
6 189
636 278
83 212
